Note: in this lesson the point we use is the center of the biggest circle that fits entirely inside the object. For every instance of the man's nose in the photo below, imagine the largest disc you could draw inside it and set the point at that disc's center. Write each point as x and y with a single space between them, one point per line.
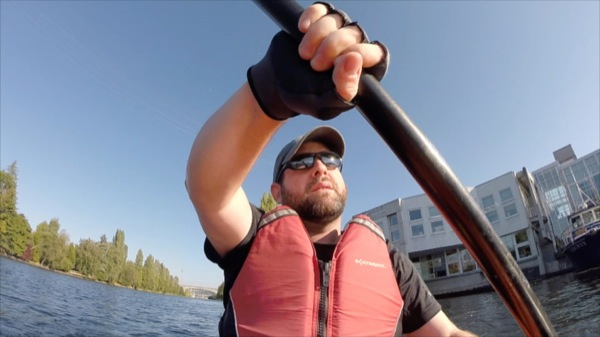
320 167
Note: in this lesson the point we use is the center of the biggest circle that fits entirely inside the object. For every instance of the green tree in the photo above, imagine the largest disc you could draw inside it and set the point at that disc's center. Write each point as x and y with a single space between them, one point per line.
149 274
15 231
128 276
88 258
267 202
116 257
51 245
139 270
219 294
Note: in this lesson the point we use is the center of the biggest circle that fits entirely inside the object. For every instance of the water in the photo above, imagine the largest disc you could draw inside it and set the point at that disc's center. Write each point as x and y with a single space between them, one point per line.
37 302
572 302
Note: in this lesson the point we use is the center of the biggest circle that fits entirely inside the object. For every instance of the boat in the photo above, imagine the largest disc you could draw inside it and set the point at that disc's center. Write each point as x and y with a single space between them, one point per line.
582 238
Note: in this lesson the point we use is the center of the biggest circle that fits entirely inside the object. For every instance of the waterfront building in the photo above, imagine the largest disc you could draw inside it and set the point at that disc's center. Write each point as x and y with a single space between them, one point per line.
567 184
516 207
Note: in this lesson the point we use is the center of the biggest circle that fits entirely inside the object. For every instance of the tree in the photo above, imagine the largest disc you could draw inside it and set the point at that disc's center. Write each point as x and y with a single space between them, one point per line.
128 276
219 294
51 245
267 202
139 270
15 231
88 258
149 274
116 257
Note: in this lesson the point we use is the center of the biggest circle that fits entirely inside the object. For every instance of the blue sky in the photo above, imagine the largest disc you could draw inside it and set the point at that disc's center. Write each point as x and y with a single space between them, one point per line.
100 102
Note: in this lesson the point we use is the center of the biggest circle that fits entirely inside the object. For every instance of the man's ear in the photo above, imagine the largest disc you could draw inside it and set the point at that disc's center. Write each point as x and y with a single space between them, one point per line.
276 192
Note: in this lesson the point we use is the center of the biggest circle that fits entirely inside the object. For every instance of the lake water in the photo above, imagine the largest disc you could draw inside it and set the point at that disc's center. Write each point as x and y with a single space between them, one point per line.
37 302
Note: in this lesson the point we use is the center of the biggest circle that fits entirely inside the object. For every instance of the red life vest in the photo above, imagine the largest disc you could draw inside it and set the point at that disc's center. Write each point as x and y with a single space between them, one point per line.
280 288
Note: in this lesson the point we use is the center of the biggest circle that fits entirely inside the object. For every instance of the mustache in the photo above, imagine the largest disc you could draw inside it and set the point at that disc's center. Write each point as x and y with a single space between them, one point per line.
322 179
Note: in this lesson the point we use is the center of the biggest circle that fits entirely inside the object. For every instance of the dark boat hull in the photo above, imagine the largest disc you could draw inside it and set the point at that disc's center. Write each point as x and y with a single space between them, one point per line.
584 252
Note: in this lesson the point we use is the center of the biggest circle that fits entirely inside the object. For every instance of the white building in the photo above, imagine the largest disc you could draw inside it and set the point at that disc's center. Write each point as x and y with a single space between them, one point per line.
517 209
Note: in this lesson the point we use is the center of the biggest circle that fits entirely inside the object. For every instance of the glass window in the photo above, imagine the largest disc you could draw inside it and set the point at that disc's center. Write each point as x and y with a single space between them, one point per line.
510 210
524 251
521 237
467 261
393 220
439 265
492 216
395 235
414 214
427 268
417 230
522 243
506 195
509 243
488 202
452 258
437 226
433 212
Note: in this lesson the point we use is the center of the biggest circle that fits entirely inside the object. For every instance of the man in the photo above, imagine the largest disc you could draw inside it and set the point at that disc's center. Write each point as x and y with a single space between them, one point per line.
293 272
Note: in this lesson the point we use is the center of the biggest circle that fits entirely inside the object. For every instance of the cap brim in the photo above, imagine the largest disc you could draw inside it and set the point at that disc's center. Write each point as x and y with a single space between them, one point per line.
326 135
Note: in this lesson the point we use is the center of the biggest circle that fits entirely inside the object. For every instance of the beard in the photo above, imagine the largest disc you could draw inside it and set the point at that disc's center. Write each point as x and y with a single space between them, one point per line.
314 207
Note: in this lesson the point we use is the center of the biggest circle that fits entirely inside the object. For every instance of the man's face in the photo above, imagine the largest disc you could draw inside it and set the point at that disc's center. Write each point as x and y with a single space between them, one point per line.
318 194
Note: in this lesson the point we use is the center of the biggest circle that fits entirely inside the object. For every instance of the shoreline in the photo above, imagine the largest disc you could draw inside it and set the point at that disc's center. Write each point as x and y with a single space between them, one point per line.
80 276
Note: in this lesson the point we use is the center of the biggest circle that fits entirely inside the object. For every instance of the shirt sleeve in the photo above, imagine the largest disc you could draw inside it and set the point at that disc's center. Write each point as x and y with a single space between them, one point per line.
241 250
419 304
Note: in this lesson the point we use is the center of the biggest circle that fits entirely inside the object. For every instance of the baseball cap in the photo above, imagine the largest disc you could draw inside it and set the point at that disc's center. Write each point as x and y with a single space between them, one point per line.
326 135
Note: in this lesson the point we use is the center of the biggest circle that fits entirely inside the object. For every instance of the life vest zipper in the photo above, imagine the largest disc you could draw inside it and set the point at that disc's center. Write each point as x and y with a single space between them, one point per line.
325 268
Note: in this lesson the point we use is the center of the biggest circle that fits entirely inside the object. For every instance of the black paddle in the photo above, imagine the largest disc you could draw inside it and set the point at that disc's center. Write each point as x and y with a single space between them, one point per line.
440 184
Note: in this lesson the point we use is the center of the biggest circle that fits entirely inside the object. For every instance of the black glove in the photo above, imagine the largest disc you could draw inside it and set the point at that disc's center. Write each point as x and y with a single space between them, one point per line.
285 85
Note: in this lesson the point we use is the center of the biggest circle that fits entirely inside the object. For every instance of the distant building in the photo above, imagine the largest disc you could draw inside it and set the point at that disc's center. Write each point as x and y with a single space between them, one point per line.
200 292
516 206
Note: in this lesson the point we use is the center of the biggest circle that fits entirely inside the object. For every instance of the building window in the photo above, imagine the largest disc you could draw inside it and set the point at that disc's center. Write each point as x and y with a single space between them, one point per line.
510 245
488 202
453 260
467 261
433 266
393 220
492 216
439 265
506 195
437 226
510 210
395 235
414 214
518 245
522 244
417 230
426 268
433 212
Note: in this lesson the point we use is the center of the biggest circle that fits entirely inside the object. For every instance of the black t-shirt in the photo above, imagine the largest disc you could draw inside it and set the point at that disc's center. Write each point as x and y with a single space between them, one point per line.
419 304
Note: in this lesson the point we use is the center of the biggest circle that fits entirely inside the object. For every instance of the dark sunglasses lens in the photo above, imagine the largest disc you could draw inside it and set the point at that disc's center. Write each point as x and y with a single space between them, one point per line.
303 163
330 159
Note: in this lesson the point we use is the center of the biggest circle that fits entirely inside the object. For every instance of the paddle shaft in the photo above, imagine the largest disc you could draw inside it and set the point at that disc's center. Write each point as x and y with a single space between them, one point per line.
440 184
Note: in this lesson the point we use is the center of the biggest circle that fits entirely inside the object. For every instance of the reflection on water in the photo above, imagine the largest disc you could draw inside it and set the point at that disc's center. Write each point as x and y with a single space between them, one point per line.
572 302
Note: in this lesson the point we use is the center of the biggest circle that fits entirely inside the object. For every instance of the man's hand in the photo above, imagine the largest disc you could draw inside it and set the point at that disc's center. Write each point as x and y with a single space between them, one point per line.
319 75
331 41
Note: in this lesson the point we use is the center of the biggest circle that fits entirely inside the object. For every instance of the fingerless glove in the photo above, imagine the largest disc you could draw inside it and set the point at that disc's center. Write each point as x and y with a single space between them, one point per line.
285 85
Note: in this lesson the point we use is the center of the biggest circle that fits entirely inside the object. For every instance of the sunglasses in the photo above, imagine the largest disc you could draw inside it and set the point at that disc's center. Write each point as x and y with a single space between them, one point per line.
308 160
